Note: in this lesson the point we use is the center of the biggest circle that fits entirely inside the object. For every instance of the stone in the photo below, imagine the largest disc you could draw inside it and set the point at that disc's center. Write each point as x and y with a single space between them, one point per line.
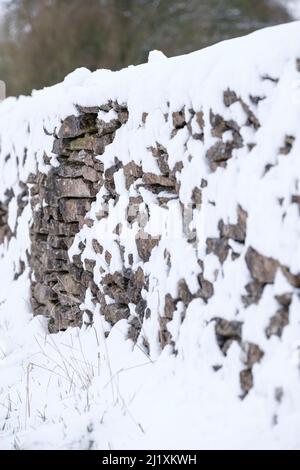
230 97
132 172
60 147
218 246
89 265
73 188
179 119
277 323
236 232
91 142
152 179
200 119
73 209
141 308
64 316
97 247
219 125
69 170
116 312
136 283
206 290
107 257
63 243
67 283
66 299
165 336
56 253
5 231
197 196
161 155
219 152
170 307
74 126
145 244
227 332
288 145
58 265
82 156
246 380
293 279
252 119
262 268
20 270
91 109
296 199
253 354
144 117
284 299
254 292
90 174
43 293
86 278
60 228
107 127
228 329
134 329
184 293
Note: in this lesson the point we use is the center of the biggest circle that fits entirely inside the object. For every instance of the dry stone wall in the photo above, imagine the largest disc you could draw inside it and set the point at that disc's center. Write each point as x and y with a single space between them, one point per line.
97 245
61 199
67 192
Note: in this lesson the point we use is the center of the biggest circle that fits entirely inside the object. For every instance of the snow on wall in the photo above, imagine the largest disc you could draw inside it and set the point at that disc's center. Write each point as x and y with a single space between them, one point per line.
186 256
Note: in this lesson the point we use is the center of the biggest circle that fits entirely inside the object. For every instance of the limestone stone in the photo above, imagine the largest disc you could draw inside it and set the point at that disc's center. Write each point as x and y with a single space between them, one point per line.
116 312
90 174
91 142
107 127
82 156
145 244
278 322
294 279
237 231
262 268
253 353
230 97
218 246
73 209
179 119
42 293
73 188
246 380
288 145
74 126
152 179
254 292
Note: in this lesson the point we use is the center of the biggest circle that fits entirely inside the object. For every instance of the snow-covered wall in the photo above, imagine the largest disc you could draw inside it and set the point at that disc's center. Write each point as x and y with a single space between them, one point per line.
162 202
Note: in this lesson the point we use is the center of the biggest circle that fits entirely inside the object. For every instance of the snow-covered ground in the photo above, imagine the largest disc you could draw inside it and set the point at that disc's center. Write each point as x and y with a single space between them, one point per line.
78 390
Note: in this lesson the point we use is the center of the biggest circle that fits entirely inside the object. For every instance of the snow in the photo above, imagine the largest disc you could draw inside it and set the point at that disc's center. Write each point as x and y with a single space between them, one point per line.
78 390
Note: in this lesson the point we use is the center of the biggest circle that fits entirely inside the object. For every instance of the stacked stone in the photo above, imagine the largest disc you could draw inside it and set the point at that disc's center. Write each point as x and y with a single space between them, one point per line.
5 231
60 201
3 222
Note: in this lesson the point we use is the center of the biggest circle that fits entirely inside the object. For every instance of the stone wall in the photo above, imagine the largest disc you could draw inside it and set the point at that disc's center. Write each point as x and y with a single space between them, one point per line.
114 173
61 199
67 192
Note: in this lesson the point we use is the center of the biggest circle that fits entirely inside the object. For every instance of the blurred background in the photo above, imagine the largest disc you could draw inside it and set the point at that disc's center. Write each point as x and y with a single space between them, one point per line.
43 40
